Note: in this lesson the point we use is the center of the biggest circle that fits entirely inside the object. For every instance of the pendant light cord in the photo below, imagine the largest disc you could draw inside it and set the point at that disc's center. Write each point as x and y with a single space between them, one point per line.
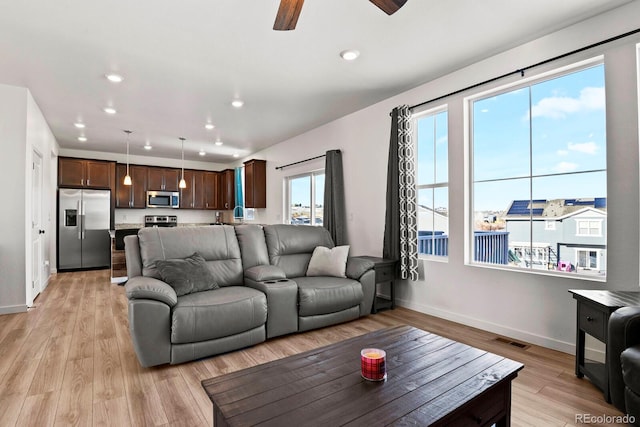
182 140
128 132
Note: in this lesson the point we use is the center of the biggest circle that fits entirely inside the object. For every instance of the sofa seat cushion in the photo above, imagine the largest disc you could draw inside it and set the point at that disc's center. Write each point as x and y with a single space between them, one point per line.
630 359
323 294
218 313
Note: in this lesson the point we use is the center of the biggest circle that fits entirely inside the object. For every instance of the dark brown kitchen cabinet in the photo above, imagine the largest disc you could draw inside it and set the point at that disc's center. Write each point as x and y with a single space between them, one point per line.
84 173
134 195
163 179
255 183
212 199
227 189
192 197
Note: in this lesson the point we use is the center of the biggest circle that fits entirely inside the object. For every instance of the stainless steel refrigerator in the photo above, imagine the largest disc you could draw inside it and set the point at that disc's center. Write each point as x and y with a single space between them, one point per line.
83 228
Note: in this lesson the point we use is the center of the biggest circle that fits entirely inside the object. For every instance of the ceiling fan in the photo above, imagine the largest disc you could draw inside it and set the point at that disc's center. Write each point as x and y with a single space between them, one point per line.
289 11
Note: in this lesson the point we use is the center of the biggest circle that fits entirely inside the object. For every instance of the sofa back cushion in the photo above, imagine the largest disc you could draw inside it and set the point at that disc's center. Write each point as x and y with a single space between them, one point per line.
217 244
252 245
290 246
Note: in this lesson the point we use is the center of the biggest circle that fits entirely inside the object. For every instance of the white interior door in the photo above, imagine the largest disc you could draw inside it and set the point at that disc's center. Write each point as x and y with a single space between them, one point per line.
37 231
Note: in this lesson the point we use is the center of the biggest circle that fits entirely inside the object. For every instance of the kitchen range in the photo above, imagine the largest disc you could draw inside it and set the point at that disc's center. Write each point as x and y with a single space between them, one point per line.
160 221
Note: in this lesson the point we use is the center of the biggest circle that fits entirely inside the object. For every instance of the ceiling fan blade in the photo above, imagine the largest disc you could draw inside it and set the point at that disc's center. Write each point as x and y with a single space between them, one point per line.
389 6
288 14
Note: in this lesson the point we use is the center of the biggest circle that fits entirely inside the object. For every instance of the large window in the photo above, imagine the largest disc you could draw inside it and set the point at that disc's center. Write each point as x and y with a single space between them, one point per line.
304 198
539 174
433 183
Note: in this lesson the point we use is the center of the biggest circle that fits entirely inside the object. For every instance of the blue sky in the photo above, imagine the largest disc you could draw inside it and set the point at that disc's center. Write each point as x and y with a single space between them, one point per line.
564 118
301 190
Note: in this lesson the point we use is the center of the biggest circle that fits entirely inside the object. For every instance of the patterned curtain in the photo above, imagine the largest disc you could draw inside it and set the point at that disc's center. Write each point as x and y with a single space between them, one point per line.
401 223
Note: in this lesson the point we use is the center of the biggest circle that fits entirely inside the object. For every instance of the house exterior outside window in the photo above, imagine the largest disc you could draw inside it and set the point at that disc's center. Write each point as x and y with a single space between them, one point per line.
538 165
432 178
304 198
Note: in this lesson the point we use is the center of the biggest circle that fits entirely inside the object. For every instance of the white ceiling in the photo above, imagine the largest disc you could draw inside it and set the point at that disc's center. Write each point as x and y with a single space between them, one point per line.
184 61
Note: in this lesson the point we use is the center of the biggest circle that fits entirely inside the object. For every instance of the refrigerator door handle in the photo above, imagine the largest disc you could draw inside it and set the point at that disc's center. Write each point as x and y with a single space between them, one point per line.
79 219
83 217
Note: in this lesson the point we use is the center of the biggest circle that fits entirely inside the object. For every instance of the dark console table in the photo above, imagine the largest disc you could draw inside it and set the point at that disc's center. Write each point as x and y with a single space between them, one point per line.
385 273
594 309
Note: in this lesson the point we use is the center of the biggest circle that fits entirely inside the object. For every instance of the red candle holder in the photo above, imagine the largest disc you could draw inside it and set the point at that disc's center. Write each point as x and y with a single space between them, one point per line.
373 364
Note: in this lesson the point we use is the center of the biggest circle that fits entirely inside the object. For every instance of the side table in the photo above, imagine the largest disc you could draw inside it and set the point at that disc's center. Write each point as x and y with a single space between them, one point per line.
593 312
385 273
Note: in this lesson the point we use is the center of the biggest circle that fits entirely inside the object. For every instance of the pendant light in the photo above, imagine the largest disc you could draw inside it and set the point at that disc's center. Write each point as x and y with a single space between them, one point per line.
183 183
127 177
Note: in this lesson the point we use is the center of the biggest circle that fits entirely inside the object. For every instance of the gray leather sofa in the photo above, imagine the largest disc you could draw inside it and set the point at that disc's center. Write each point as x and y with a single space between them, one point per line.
264 291
623 360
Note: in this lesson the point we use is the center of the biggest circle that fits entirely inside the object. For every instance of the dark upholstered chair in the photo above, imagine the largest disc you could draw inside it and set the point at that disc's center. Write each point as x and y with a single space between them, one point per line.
623 359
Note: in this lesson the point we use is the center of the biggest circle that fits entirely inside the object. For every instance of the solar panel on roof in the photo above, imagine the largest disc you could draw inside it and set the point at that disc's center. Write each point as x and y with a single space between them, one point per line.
601 202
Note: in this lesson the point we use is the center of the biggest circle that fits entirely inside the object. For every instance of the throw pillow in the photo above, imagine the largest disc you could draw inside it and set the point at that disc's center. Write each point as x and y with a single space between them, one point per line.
328 262
188 275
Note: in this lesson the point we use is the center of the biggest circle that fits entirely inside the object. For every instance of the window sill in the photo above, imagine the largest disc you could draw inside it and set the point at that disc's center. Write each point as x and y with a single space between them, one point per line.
552 273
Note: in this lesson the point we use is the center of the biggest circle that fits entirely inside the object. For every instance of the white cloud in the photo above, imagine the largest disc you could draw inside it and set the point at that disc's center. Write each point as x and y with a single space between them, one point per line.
484 110
562 152
557 107
442 140
565 167
584 147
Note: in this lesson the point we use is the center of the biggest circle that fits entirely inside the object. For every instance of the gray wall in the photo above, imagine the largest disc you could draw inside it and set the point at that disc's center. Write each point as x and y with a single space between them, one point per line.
23 129
536 308
13 129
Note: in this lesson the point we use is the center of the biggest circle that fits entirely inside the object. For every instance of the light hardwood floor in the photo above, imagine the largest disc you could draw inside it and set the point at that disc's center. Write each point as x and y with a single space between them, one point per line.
69 361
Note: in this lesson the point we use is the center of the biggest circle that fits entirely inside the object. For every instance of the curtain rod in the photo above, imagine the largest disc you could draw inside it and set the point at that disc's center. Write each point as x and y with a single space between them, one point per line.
522 70
302 161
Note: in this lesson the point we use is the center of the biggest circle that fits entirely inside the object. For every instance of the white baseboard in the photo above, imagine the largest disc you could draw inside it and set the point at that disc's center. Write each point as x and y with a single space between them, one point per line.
565 347
11 309
119 279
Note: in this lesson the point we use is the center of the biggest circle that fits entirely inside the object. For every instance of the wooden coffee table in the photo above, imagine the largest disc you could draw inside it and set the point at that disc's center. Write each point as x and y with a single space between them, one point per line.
431 381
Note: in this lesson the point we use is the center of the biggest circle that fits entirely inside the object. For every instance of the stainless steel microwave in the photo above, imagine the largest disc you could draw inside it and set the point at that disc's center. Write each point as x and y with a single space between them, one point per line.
163 199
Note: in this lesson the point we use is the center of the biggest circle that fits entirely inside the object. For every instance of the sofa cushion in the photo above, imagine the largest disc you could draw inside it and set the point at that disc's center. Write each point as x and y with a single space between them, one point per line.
328 262
290 246
217 244
630 359
322 294
252 245
188 275
215 314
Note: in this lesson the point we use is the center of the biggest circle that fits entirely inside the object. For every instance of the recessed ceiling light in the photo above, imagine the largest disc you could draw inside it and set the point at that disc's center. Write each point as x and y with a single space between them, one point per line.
202 152
236 155
109 110
82 138
209 126
147 146
218 143
349 55
237 103
79 125
115 78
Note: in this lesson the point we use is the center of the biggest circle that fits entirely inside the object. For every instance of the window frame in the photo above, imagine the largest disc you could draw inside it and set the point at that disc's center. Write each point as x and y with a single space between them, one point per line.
286 217
587 250
468 103
415 117
589 222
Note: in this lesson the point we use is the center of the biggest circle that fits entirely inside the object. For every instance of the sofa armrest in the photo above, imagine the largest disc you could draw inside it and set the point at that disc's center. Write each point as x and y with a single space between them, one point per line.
624 332
141 287
261 273
282 305
356 267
